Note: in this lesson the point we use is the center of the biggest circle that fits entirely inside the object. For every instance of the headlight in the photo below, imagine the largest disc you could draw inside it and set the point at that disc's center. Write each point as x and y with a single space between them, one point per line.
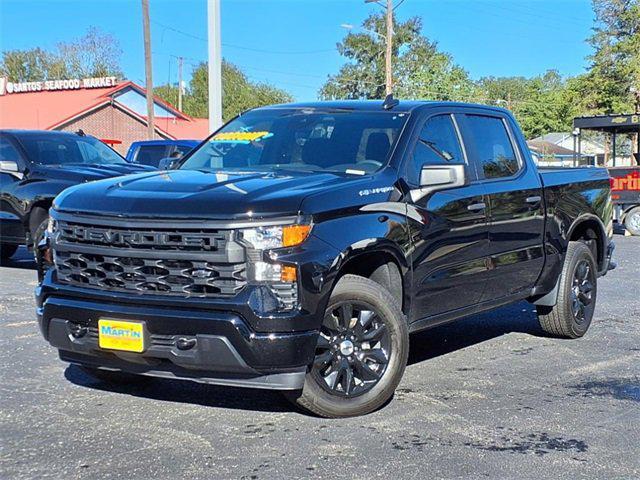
259 239
266 238
51 225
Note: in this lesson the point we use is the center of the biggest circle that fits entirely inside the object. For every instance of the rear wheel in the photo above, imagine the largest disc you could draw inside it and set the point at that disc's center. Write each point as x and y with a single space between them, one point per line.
361 352
632 221
573 312
7 251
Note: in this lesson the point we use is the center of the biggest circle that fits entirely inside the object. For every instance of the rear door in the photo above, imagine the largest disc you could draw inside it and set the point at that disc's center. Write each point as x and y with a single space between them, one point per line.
448 227
515 203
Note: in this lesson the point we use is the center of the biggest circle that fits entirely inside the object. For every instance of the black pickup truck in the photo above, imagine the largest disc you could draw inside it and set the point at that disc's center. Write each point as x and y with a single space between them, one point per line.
37 165
299 246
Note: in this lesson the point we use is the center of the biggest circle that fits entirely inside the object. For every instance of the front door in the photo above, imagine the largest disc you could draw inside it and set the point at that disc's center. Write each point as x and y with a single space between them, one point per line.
11 208
448 228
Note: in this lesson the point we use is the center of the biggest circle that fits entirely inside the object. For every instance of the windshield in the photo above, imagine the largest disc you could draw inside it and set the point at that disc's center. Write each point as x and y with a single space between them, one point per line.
301 139
47 149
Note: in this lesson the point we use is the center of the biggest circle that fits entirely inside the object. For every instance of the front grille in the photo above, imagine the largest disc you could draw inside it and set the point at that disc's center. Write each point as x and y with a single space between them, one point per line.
160 261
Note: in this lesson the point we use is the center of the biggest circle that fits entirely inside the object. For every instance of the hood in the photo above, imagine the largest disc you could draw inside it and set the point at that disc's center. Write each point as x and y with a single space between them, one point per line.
78 173
209 195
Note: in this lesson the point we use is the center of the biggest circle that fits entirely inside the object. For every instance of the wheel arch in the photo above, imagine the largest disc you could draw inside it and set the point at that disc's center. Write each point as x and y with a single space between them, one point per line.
381 262
590 227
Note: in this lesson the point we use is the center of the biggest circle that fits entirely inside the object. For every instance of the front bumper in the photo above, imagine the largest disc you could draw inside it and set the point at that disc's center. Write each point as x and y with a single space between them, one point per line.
206 345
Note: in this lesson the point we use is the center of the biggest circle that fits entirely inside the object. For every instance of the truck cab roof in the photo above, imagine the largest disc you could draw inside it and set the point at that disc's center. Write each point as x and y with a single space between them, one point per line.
378 105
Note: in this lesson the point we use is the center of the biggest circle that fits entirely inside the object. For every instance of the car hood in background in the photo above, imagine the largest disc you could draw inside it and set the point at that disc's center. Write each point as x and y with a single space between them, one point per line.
79 173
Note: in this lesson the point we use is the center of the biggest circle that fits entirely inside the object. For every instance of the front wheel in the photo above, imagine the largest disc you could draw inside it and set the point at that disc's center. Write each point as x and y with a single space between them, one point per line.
632 221
361 352
573 312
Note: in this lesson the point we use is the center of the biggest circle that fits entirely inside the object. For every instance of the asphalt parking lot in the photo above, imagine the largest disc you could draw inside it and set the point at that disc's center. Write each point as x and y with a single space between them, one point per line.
487 397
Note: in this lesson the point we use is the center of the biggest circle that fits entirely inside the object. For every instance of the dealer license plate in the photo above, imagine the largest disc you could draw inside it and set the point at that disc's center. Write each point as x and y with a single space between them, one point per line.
120 335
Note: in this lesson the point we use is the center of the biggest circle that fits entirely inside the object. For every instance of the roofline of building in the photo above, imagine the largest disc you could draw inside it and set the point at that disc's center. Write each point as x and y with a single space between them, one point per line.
107 96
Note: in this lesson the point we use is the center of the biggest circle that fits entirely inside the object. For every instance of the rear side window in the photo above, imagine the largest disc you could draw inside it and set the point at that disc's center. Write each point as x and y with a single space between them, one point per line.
494 152
150 154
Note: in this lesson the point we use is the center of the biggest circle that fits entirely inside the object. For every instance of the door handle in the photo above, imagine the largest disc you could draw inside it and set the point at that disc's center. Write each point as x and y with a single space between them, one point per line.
534 199
477 206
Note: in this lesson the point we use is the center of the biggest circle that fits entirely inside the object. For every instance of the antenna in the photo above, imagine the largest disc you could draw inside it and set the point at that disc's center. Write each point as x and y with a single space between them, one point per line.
389 102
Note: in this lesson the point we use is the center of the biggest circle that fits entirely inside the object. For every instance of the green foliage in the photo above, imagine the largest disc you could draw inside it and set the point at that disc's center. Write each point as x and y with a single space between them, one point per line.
95 54
238 93
615 65
542 104
363 76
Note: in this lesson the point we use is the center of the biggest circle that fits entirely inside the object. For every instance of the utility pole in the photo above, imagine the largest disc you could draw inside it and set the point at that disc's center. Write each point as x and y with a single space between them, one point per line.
180 83
215 65
387 57
388 38
147 68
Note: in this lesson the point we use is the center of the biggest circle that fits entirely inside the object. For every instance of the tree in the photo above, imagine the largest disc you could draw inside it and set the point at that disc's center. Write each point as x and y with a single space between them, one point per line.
95 54
238 93
419 68
615 66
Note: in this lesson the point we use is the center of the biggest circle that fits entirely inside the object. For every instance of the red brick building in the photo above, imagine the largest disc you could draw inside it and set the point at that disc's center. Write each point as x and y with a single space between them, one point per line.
103 107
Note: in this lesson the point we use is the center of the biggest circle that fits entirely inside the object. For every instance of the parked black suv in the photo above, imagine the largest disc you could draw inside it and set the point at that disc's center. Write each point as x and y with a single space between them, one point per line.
35 166
298 247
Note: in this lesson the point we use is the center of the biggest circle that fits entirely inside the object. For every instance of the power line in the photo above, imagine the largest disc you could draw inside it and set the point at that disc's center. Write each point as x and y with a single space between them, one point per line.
242 47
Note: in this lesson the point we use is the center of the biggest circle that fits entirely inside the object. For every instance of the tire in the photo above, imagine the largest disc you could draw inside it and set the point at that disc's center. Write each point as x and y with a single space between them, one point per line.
38 229
380 335
115 377
567 318
7 251
632 221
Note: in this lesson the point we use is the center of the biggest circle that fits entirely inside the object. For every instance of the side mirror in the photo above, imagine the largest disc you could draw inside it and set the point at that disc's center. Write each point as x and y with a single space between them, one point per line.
439 177
168 163
10 167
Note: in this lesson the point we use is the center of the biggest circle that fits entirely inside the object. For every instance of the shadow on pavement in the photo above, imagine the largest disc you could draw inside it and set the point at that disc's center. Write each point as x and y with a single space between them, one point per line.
185 391
425 345
23 258
520 317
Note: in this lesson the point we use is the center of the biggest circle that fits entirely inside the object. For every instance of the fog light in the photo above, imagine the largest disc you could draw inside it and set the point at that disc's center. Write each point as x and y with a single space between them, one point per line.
274 272
288 274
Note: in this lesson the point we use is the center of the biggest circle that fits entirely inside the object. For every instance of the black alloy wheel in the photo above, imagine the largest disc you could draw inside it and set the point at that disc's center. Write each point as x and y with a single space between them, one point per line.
582 291
353 349
361 353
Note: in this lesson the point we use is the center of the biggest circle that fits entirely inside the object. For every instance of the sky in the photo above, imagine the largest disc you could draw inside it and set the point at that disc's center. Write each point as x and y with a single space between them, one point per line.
292 43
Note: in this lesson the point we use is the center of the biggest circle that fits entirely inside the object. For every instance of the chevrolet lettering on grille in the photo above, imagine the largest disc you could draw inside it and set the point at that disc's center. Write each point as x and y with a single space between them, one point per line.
136 238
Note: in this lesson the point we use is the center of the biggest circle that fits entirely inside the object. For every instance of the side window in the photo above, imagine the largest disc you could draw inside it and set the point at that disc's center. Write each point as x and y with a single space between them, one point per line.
89 153
437 144
151 154
494 151
8 152
181 150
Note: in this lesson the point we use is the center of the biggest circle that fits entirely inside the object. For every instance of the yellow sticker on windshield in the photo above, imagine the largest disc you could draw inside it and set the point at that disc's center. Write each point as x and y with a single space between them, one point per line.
242 137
